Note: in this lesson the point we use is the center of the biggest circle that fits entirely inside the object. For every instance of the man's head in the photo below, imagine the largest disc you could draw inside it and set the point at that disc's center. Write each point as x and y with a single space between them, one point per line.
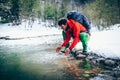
62 23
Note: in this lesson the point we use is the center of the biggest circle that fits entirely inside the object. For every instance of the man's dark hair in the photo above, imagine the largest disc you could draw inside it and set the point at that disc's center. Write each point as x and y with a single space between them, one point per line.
62 21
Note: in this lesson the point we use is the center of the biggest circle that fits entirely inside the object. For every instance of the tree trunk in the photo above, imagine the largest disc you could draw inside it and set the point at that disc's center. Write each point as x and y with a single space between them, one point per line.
119 10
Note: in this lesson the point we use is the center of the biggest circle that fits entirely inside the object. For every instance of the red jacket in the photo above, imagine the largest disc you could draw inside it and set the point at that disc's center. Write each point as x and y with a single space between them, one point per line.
74 31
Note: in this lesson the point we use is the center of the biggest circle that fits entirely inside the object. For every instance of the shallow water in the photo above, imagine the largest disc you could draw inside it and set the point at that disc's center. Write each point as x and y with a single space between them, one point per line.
31 62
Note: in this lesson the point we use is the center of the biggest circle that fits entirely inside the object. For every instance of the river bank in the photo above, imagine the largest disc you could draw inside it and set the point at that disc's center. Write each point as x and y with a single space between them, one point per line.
95 68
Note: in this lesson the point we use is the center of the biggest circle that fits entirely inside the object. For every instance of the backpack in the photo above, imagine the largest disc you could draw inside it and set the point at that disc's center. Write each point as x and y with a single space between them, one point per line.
79 18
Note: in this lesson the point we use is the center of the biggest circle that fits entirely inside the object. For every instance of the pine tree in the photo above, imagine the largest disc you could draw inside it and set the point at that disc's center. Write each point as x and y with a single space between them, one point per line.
15 10
4 11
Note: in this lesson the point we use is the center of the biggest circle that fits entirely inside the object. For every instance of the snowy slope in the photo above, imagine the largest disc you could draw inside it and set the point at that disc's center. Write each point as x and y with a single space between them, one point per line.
24 30
106 43
25 35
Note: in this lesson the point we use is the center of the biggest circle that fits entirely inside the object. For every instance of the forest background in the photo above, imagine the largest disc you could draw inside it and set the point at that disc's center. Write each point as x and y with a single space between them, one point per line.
101 13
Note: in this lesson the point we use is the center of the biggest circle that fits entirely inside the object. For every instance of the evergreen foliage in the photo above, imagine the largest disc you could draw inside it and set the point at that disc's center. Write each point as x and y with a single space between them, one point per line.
99 12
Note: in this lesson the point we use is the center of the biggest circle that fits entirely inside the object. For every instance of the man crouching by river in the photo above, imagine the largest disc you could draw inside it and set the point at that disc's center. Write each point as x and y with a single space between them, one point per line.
75 30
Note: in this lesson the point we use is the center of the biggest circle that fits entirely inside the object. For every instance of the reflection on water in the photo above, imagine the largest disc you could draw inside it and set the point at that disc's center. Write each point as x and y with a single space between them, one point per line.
31 62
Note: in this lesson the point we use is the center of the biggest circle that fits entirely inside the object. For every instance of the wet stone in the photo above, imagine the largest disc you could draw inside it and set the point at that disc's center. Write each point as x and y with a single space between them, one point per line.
104 77
109 66
109 62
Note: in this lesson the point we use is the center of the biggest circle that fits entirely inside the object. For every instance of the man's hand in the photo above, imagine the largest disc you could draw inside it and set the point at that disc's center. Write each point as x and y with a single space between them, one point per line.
58 49
67 51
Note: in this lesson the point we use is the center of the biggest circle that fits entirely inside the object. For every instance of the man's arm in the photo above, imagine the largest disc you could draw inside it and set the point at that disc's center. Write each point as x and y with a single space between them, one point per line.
68 37
76 33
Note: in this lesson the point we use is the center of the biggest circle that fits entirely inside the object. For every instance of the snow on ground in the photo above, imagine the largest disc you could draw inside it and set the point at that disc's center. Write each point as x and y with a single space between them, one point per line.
105 43
23 34
24 30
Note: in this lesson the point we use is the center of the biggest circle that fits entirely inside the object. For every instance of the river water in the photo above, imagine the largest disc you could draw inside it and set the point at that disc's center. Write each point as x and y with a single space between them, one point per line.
21 61
31 62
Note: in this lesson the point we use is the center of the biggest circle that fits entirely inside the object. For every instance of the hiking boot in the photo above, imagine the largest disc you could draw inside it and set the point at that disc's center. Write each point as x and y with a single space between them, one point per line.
73 54
85 53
